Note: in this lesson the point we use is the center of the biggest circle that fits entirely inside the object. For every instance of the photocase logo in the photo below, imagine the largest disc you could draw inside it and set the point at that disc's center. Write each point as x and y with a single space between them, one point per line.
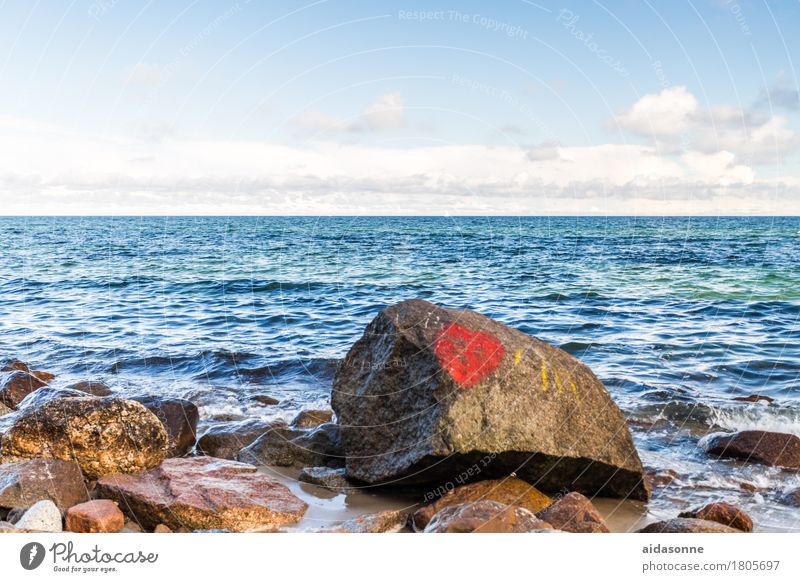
31 555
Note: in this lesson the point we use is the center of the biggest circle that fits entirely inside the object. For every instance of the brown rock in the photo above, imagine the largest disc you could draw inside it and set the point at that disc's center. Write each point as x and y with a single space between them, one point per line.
284 446
161 528
312 418
508 491
44 376
484 517
382 522
46 394
574 513
203 493
723 513
660 478
757 446
224 441
755 398
687 525
427 392
265 399
14 365
23 484
103 435
16 386
333 479
4 410
179 418
98 516
92 387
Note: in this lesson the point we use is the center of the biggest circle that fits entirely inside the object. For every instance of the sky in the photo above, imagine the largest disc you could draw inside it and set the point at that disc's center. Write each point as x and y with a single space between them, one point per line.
515 107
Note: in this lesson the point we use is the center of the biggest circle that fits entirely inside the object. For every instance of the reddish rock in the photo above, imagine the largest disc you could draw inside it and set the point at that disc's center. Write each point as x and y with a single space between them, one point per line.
265 399
98 516
43 376
660 478
13 365
91 387
688 525
723 513
508 491
574 513
382 522
224 441
312 418
755 398
179 417
203 493
23 484
485 517
757 446
16 386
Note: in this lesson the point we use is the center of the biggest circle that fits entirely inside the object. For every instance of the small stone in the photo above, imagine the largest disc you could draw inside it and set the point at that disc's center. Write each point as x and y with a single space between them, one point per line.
723 513
44 376
13 365
484 517
688 525
382 522
4 409
312 418
574 513
755 398
41 516
132 527
757 446
509 491
161 528
16 386
92 387
658 479
333 479
265 399
98 516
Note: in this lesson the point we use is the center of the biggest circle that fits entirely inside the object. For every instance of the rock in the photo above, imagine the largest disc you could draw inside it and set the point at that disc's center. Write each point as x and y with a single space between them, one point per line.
687 525
723 513
427 393
574 513
46 394
4 409
224 441
132 527
382 522
23 484
13 365
46 377
333 479
41 516
749 487
203 493
484 517
103 435
284 446
755 398
16 386
265 399
757 446
92 387
508 491
792 498
161 528
660 478
179 417
312 418
98 516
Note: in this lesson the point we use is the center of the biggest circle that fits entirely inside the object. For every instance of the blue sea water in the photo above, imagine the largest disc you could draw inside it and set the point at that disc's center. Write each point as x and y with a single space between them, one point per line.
677 316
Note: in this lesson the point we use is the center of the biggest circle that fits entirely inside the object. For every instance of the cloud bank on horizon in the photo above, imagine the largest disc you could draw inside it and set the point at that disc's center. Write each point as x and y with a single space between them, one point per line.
349 108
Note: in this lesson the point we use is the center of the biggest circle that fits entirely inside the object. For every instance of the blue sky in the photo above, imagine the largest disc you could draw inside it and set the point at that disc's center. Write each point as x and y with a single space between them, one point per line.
515 107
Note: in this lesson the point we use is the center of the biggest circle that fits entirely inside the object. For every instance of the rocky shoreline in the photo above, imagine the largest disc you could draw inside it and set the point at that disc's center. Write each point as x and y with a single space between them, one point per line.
485 428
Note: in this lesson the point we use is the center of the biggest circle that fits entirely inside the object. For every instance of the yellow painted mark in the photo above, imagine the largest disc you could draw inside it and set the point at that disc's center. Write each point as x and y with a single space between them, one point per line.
517 356
574 388
544 376
558 383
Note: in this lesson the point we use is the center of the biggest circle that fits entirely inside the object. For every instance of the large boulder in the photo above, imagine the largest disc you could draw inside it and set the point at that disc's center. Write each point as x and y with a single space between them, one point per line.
203 493
723 513
427 393
16 385
757 446
179 417
285 446
23 484
574 513
509 491
687 525
102 435
224 441
485 517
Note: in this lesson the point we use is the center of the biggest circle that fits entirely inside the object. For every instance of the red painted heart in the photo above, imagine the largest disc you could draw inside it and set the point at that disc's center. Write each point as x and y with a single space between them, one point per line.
468 356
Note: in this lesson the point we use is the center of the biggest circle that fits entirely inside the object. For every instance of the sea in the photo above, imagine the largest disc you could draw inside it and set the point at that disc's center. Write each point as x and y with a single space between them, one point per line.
677 316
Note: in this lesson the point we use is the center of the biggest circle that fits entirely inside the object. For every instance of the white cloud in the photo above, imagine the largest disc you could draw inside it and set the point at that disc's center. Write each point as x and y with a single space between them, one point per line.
148 74
668 113
387 112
